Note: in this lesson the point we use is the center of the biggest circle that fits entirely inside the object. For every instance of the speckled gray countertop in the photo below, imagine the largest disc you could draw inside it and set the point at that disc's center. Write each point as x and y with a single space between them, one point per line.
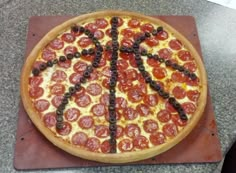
216 27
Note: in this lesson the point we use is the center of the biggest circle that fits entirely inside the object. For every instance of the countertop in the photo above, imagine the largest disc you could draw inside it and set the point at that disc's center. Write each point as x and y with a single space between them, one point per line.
216 27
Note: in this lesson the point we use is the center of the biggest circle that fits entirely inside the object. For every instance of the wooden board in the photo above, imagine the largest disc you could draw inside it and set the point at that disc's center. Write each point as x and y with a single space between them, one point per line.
34 151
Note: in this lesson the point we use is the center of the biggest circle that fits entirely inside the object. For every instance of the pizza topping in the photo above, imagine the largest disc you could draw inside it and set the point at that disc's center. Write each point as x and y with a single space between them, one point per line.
56 44
165 53
132 130
157 138
130 113
162 35
94 89
179 92
135 95
83 100
84 42
101 23
67 37
86 122
101 131
175 44
125 145
98 109
140 142
59 76
134 23
79 138
176 119
191 66
151 99
105 146
164 116
65 130
178 77
93 144
49 119
189 107
143 109
48 54
170 130
159 72
72 114
41 105
151 42
147 27
193 95
56 100
150 126
36 92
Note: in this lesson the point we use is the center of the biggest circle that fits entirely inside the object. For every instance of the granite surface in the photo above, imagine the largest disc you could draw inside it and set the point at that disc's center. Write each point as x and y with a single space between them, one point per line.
216 27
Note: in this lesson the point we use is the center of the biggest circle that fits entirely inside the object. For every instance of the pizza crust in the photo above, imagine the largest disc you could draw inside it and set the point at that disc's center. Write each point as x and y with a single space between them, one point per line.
117 157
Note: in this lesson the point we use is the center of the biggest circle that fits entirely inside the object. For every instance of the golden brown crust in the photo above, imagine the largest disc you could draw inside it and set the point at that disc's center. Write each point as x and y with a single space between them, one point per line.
119 157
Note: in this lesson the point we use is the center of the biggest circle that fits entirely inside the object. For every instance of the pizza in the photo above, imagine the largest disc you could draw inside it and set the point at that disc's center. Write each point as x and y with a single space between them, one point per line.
114 86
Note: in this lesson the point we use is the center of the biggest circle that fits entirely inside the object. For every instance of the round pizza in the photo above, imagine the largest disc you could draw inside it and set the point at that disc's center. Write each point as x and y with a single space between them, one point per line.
114 86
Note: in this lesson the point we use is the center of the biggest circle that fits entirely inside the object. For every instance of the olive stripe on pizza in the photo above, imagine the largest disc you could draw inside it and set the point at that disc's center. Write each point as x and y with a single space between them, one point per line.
114 86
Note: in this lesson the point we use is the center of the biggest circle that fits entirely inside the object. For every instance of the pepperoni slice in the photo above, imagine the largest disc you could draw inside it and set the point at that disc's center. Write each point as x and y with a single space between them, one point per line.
101 23
193 95
159 72
137 35
169 107
107 55
98 109
121 103
41 105
105 83
135 95
57 89
184 55
147 27
189 107
128 56
126 42
140 142
125 145
108 32
152 62
79 138
98 34
157 138
56 100
93 144
83 100
162 35
92 27
48 54
80 66
134 23
84 42
65 64
66 129
94 89
170 130
119 131
56 44
130 113
68 37
176 119
191 82
131 74
122 64
35 81
72 114
49 119
106 72
104 99
101 131
37 64
132 130
120 21
59 76
127 33
86 122
93 76
179 92
143 109
150 126
163 116
80 92
151 99
105 146
70 50
75 33
151 42
175 44
36 92
191 66
178 77
75 78
165 53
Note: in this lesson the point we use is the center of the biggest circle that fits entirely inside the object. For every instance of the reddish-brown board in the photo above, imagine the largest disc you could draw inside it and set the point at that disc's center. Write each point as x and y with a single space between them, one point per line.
34 151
